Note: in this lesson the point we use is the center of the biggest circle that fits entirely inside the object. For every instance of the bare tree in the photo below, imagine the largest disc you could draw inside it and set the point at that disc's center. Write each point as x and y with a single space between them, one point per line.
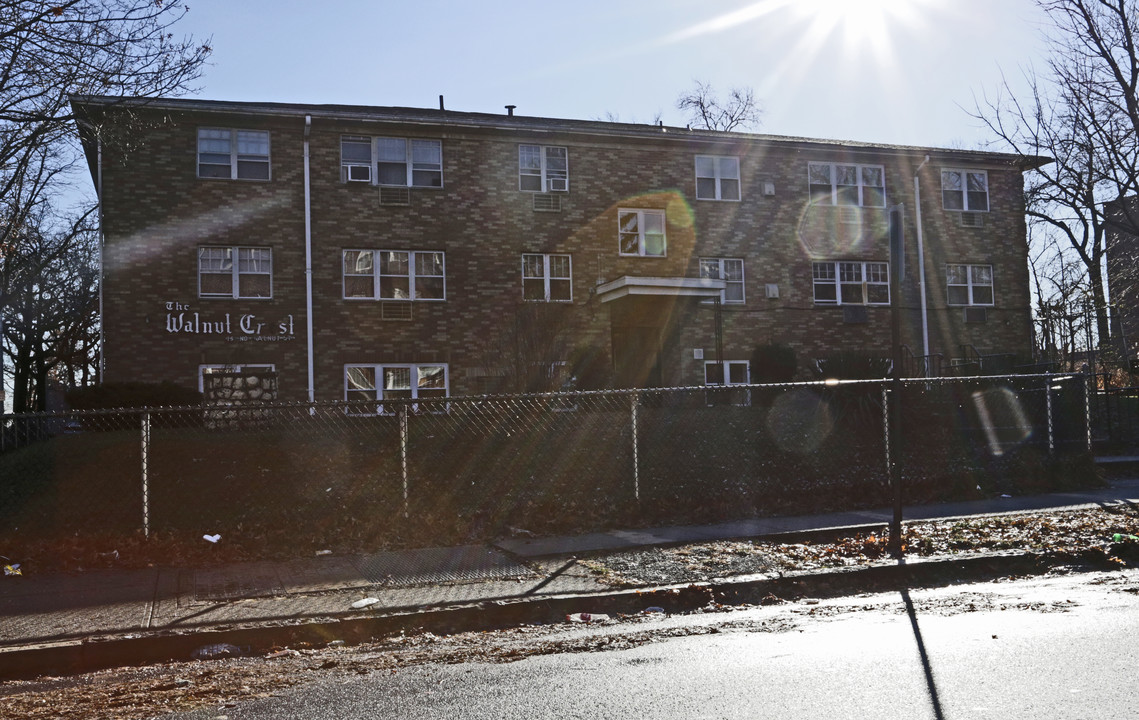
51 320
739 111
1082 113
51 50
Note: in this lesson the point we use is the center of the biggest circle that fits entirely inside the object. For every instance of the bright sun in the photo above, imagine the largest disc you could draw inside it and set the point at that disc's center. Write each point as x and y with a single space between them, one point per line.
857 20
852 26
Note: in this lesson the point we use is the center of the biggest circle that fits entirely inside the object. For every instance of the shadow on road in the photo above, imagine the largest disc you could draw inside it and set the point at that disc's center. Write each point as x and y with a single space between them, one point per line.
934 700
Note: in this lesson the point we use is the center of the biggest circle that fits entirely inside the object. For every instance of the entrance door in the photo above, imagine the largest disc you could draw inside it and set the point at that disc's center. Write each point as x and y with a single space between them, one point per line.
636 357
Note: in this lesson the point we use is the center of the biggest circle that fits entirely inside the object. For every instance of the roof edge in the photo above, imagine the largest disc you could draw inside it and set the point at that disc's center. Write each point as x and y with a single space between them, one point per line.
514 123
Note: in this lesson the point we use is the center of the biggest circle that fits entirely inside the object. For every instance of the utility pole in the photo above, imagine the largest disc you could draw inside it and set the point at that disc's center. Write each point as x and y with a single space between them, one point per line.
897 274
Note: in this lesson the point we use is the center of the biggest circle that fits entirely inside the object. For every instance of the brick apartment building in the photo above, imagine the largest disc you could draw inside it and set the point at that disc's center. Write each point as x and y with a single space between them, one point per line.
1123 278
359 252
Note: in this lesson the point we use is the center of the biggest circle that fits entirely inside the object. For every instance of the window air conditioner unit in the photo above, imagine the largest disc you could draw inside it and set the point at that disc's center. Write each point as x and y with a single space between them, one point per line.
972 220
976 314
547 203
359 173
855 314
557 184
395 196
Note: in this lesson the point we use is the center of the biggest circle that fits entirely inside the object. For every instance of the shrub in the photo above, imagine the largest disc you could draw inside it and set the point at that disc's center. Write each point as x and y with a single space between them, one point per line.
131 395
852 365
773 363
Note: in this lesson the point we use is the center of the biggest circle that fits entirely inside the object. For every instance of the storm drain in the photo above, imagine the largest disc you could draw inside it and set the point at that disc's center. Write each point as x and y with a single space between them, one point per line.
408 568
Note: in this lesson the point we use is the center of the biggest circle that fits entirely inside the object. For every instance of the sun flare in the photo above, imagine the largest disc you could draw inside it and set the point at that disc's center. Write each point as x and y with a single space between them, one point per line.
854 27
858 21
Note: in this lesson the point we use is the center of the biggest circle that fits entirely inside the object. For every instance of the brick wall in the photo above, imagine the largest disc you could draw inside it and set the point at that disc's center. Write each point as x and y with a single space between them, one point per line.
157 214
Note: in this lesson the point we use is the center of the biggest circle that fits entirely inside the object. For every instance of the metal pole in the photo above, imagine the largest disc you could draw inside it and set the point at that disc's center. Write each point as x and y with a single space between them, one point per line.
897 273
1087 414
146 475
633 402
1048 399
403 453
894 423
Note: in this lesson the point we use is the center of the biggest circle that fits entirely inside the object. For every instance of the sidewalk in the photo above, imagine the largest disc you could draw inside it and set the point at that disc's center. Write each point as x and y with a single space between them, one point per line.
70 621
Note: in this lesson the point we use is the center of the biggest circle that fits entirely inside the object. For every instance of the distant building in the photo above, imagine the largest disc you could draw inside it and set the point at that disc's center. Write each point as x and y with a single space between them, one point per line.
363 252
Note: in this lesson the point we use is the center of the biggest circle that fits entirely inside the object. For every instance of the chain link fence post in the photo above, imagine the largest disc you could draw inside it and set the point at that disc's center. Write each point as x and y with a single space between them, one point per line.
886 423
634 400
146 475
1087 413
402 412
1048 404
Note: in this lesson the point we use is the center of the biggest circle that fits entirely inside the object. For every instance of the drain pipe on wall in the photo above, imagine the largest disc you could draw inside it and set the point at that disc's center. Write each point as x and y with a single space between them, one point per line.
921 268
308 262
102 249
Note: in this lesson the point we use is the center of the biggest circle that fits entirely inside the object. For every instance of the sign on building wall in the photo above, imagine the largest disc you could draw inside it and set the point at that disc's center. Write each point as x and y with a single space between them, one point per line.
182 319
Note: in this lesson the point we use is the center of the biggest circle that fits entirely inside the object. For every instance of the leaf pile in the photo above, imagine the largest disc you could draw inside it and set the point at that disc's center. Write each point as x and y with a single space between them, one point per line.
1039 532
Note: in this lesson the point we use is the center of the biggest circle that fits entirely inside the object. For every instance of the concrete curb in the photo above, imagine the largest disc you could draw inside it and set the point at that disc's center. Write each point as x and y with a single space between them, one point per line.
101 653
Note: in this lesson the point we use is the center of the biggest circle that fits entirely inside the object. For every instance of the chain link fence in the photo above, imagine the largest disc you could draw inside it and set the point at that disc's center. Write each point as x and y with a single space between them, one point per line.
353 476
1115 414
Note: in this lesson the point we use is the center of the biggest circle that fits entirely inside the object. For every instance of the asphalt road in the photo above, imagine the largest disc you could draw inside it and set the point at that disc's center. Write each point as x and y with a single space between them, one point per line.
1059 647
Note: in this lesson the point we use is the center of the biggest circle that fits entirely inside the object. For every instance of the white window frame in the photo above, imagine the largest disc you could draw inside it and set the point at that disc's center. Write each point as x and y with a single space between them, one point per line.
836 198
550 178
721 166
375 392
349 171
414 294
236 160
547 277
726 366
720 273
840 274
235 270
963 190
357 169
972 285
739 397
640 234
206 368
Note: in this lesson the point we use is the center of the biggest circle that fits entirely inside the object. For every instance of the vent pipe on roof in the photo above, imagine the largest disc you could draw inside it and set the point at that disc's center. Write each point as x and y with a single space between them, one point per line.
441 103
510 110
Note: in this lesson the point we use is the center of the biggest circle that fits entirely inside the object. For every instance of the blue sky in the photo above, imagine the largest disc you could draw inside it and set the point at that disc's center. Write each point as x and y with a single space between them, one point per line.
891 71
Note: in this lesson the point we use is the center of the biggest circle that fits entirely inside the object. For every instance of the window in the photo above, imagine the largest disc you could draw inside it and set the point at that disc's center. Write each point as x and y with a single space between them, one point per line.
356 159
851 283
394 275
372 383
857 185
213 368
969 284
250 277
731 271
543 169
402 162
641 232
728 372
965 190
736 372
547 277
717 178
233 154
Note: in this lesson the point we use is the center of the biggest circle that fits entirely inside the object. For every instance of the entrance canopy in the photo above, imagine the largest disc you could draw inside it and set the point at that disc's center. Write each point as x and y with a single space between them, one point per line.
671 286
